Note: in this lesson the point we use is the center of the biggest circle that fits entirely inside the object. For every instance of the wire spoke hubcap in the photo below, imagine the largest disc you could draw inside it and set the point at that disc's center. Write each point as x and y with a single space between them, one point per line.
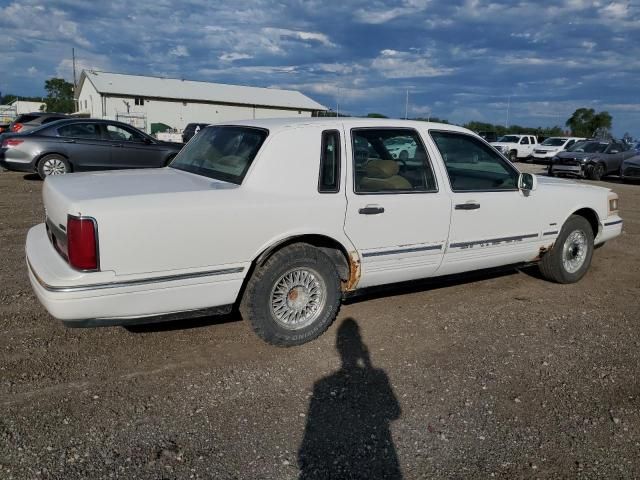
54 166
298 298
574 251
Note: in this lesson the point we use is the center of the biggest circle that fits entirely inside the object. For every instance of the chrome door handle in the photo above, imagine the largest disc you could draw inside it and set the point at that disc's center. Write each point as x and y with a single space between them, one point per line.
467 206
69 141
371 210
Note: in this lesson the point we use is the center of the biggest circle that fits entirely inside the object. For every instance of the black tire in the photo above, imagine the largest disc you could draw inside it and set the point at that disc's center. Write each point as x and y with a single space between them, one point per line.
47 163
596 172
256 303
552 265
513 156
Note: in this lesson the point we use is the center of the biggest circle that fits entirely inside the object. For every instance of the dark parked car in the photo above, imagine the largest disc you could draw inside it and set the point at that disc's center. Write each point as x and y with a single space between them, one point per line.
630 168
591 159
83 144
191 129
30 121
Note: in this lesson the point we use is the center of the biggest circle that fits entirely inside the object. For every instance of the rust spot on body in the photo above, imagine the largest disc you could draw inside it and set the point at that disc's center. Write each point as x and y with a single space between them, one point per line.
354 273
542 252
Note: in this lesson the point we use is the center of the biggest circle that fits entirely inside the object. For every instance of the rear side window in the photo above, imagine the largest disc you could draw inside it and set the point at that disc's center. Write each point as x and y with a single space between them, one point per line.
472 165
80 130
390 160
223 153
329 181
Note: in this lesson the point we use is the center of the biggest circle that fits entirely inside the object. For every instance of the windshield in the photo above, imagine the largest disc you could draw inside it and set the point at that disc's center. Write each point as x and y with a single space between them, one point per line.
589 147
554 142
509 139
224 153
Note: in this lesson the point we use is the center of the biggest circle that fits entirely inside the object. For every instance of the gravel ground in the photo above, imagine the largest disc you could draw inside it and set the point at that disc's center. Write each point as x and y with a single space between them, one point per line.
494 375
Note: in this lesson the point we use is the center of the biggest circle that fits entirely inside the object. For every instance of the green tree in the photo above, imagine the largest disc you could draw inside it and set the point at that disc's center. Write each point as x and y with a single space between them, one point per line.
585 121
376 115
59 95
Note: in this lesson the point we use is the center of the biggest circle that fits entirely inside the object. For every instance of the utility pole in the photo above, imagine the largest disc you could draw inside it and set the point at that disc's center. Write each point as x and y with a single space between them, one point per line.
406 106
338 103
506 124
75 83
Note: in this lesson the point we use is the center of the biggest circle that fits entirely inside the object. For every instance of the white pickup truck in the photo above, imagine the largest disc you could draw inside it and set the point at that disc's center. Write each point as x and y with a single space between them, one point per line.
516 146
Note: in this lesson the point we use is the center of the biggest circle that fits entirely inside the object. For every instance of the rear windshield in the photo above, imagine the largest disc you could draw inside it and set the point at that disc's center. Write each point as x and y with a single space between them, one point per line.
589 147
224 153
26 118
554 142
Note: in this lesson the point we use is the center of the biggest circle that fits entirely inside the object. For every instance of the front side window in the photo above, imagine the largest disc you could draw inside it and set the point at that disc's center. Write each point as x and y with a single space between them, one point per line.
472 165
525 141
81 130
117 133
390 161
223 153
329 181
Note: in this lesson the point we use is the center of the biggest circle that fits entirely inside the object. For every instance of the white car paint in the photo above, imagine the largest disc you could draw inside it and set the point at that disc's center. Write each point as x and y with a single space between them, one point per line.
172 241
546 152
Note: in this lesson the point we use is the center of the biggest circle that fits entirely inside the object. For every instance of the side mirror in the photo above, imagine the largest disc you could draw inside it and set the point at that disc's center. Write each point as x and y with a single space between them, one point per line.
148 141
527 182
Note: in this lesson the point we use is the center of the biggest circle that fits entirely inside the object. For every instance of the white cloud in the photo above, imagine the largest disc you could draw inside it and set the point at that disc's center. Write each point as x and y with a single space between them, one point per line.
395 64
284 33
232 57
179 51
379 14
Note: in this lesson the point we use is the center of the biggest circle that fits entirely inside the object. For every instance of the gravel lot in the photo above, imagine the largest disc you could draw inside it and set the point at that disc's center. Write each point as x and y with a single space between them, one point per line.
499 374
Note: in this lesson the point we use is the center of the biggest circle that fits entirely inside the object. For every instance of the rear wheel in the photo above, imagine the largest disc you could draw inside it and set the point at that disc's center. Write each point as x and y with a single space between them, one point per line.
53 165
570 257
294 297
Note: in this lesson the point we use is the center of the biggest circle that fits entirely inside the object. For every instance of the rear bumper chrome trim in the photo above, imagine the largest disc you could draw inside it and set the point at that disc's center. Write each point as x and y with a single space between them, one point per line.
129 283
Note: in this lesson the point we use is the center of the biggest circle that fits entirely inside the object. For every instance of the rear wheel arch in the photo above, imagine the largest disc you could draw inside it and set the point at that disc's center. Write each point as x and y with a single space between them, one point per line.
46 154
329 246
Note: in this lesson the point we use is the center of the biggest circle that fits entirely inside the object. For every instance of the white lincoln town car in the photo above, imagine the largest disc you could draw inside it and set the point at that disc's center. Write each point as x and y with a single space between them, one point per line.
282 218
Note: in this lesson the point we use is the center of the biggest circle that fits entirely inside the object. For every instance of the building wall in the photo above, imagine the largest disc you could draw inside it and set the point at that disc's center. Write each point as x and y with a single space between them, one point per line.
176 114
89 100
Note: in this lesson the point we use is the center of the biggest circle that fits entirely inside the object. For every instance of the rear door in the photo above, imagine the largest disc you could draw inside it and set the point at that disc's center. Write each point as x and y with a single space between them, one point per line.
130 149
397 217
85 146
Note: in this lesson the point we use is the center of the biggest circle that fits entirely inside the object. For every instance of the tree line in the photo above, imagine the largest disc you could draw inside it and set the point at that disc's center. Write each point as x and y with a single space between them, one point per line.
59 96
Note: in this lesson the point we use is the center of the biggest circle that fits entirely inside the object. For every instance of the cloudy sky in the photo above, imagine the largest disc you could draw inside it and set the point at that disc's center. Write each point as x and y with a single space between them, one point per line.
460 59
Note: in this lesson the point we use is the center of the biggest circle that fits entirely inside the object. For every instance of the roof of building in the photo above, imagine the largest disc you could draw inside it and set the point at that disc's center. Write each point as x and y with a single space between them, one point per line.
177 89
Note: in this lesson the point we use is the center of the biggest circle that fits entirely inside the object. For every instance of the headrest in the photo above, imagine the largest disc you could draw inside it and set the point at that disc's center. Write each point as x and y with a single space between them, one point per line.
381 168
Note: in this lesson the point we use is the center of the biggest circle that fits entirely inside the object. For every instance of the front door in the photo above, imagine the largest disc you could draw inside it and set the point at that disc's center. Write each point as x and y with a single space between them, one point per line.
492 222
397 217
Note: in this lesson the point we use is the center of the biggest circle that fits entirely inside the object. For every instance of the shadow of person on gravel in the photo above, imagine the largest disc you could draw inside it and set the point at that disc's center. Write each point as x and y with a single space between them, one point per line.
348 424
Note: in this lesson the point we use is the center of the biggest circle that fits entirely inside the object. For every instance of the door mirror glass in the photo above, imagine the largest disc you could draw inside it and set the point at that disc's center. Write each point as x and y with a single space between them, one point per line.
527 182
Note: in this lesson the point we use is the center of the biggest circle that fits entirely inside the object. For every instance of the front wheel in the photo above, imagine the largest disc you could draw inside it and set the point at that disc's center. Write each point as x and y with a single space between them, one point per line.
596 172
513 156
53 165
294 297
570 257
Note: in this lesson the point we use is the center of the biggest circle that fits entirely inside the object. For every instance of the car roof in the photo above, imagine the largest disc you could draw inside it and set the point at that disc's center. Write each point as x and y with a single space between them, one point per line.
275 124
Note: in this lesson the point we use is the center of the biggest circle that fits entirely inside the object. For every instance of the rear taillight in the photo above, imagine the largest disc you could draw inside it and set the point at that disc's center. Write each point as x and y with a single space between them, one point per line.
16 127
11 142
82 242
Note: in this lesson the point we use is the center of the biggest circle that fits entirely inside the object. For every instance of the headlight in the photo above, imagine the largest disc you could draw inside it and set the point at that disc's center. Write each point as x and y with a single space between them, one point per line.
613 203
554 159
587 159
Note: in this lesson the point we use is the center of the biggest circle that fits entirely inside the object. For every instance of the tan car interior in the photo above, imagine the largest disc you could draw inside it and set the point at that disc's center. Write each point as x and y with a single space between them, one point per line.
380 175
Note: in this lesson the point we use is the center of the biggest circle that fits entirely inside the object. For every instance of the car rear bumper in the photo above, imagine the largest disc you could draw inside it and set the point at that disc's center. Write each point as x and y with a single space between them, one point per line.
19 164
102 298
